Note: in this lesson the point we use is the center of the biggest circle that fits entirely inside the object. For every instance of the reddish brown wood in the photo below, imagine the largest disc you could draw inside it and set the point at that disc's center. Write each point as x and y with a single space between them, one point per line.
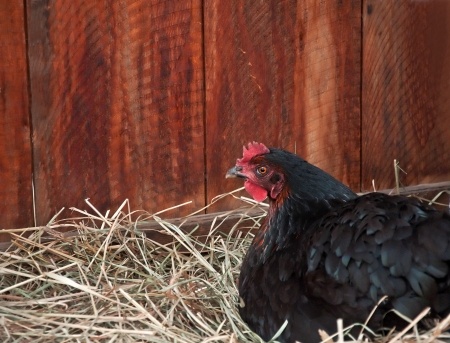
15 152
406 91
118 103
118 96
286 73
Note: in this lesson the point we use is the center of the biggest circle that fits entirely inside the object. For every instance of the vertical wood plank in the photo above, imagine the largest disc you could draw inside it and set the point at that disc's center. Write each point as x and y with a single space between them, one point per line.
406 91
15 150
118 103
286 73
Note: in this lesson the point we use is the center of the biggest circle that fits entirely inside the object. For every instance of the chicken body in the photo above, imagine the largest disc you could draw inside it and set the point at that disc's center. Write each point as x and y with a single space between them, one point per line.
325 253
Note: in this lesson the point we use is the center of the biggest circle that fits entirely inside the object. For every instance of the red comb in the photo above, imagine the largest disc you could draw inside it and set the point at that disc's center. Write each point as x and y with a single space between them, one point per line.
251 150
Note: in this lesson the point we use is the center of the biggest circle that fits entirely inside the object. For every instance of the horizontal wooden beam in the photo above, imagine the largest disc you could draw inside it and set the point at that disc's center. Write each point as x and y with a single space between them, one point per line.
201 226
241 221
420 189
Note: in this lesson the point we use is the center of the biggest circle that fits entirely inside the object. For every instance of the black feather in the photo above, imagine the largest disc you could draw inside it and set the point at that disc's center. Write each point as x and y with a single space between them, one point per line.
325 253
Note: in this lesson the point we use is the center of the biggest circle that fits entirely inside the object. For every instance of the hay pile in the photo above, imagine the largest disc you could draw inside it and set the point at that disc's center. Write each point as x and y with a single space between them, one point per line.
110 283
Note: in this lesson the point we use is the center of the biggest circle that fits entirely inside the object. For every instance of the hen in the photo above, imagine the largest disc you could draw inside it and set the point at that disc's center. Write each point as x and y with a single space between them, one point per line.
324 252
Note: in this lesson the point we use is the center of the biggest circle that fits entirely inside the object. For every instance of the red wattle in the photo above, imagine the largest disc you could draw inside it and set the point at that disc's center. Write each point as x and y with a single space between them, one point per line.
258 193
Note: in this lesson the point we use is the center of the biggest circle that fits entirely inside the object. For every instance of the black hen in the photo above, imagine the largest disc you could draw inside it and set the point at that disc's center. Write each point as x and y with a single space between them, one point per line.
324 253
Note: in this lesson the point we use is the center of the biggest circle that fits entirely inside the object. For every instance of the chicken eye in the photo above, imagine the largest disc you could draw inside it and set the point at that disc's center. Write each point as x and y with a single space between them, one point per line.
261 170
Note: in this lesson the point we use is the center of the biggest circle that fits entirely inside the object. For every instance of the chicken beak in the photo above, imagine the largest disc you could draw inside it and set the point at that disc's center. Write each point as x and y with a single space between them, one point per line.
233 172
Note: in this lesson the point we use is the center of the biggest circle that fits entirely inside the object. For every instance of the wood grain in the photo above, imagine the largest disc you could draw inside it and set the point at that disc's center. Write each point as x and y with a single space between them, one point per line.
406 91
118 104
285 73
15 150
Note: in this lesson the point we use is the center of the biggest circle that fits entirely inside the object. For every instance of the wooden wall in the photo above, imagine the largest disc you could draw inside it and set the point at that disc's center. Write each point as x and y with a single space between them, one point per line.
117 103
405 91
15 148
286 73
152 100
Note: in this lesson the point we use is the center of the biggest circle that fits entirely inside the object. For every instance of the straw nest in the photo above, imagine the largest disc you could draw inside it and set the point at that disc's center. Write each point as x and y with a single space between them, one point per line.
111 283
